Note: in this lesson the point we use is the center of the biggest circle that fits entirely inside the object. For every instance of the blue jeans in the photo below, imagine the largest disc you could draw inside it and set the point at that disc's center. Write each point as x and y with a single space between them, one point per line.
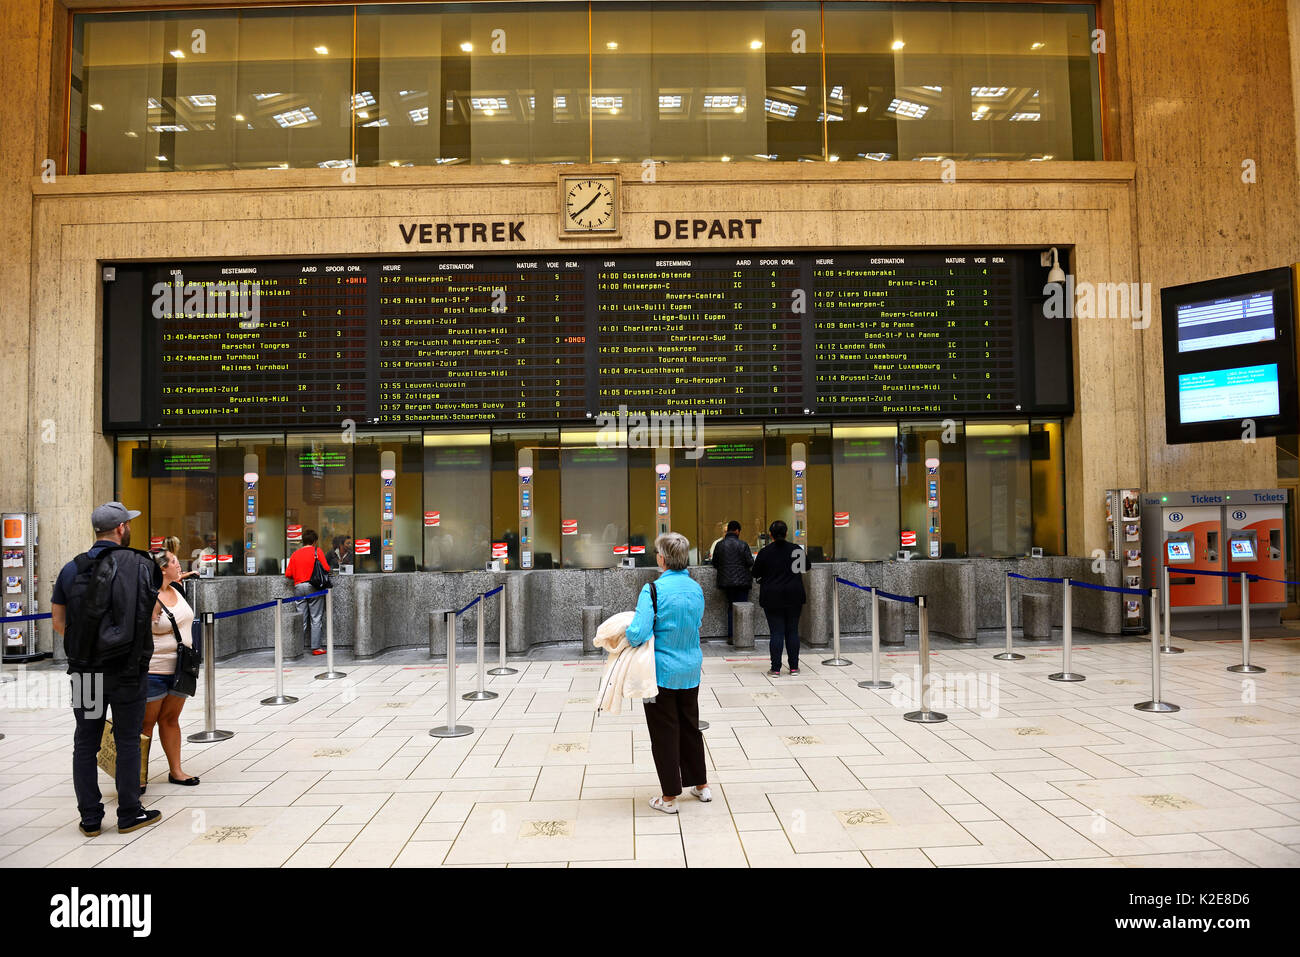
783 623
127 702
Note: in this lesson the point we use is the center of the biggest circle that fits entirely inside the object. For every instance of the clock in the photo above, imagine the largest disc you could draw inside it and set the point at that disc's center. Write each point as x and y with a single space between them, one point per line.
589 204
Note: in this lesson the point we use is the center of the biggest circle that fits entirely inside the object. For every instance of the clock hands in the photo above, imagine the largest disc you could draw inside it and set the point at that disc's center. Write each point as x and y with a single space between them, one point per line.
588 206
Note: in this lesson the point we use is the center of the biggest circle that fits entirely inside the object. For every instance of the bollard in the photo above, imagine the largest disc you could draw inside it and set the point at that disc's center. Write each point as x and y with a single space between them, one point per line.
1245 668
1067 627
451 729
329 674
209 732
480 694
925 715
875 683
1008 655
1155 704
501 669
1167 649
836 660
280 697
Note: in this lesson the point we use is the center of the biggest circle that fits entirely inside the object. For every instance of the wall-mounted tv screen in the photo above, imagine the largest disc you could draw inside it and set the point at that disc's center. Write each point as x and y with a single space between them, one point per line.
1229 352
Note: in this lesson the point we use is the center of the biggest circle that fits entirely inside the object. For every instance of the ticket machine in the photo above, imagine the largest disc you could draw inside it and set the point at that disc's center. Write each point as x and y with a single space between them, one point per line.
1255 534
1193 539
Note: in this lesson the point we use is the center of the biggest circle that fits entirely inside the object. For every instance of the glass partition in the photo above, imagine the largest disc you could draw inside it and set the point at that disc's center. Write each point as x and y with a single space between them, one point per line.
932 488
372 487
1047 475
538 450
865 510
457 515
131 485
802 498
593 500
183 497
998 499
318 489
730 481
237 457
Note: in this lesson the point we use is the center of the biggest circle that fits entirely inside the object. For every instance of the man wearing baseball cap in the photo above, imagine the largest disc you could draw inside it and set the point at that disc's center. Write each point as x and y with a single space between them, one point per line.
119 681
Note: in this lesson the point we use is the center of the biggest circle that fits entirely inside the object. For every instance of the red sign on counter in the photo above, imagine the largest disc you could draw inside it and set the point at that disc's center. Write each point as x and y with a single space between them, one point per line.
225 558
500 550
362 546
569 526
620 549
637 549
432 519
909 539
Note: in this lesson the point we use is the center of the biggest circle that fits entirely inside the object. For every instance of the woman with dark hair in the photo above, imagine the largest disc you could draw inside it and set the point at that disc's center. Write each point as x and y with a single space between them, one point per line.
340 554
779 568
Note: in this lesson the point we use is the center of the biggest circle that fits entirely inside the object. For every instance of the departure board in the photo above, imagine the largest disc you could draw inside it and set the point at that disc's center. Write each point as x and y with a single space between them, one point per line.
428 341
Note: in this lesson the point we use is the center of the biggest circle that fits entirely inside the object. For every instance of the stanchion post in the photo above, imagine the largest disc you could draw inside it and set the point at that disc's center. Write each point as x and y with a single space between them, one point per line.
1067 636
1008 655
501 669
925 715
480 694
210 732
1164 584
280 697
875 683
1245 668
1155 704
451 729
329 674
836 660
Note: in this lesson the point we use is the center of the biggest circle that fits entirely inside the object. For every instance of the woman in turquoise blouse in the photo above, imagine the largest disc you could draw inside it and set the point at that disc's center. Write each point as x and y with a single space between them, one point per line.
673 718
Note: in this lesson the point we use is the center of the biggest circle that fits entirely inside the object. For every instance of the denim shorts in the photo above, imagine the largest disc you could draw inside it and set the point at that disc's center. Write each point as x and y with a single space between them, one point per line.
160 686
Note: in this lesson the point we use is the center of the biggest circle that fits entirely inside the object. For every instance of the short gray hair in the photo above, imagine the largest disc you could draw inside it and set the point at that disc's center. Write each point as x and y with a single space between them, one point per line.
675 549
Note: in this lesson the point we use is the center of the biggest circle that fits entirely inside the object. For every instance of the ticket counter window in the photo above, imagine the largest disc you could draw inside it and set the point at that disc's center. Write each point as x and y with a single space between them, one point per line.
1047 477
250 485
526 497
318 489
998 500
183 499
593 499
801 498
731 487
865 512
722 82
457 511
389 501
932 489
131 479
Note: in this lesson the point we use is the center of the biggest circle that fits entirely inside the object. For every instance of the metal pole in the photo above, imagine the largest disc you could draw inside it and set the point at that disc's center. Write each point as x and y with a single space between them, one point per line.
329 673
1167 650
1008 655
280 697
451 729
1155 704
875 682
836 661
925 715
210 732
1067 629
1245 668
501 669
480 694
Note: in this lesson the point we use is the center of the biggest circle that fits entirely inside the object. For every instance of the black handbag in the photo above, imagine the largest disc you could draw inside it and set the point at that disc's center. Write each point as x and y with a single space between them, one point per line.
188 660
320 576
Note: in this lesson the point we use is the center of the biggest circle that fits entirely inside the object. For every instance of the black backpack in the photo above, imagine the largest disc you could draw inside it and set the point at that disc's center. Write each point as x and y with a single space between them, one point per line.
88 600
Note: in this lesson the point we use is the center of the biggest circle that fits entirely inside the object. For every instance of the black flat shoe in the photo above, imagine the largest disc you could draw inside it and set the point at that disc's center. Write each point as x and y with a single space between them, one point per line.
188 782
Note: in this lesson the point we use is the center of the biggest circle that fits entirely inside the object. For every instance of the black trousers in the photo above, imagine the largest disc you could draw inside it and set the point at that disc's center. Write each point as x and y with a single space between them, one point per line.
734 594
127 700
783 623
675 740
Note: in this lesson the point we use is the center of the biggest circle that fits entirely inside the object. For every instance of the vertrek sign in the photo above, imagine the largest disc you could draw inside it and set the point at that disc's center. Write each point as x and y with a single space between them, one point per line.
474 232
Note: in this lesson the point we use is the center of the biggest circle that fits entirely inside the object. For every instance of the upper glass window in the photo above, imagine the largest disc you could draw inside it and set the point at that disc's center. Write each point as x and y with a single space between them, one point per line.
427 84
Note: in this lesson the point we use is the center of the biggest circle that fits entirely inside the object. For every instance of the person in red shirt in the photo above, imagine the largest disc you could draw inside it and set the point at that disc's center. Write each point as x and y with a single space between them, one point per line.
299 569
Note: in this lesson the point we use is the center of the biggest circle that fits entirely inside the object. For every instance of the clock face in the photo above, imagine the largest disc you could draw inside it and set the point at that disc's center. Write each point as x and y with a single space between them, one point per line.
589 204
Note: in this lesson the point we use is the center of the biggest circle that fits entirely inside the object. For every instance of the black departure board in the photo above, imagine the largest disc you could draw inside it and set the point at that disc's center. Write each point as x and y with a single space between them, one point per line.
432 341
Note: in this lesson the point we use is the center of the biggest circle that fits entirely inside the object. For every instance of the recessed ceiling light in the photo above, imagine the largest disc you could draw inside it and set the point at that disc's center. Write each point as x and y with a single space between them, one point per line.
322 50
239 117
611 45
756 44
97 106
467 47
179 54
394 163
739 109
132 133
834 158
161 159
489 112
897 45
505 162
1037 46
726 159
862 109
363 115
907 108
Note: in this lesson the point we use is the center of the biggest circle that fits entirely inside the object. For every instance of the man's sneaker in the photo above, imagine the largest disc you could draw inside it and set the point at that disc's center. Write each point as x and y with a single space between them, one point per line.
143 819
704 794
794 671
90 830
774 673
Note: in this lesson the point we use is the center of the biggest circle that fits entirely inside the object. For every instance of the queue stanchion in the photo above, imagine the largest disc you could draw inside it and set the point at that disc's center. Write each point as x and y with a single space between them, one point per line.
280 697
501 669
451 729
1008 655
209 732
836 660
329 674
1155 704
1067 629
925 715
875 683
1166 649
1245 668
480 694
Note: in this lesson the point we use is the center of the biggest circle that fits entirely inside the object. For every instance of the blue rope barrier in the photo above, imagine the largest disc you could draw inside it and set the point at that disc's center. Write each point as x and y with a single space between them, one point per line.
1263 578
243 611
1057 581
881 592
845 581
469 606
1122 591
493 591
290 600
42 615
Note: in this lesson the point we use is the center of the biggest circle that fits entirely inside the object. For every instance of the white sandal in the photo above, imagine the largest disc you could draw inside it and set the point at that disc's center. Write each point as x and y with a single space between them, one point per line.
704 794
659 804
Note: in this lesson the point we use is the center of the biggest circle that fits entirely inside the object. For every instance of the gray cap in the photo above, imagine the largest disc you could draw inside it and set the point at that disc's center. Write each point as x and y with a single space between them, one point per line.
110 515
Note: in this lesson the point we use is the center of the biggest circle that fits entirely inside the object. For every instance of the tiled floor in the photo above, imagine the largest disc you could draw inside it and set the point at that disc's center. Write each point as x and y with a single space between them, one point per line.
806 771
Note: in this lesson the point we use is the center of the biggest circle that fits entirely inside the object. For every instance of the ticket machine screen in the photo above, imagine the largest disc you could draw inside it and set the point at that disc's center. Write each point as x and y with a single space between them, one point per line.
1243 550
1180 551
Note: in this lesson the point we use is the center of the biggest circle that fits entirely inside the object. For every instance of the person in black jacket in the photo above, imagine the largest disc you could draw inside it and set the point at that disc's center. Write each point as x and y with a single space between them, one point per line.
779 568
733 560
120 682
